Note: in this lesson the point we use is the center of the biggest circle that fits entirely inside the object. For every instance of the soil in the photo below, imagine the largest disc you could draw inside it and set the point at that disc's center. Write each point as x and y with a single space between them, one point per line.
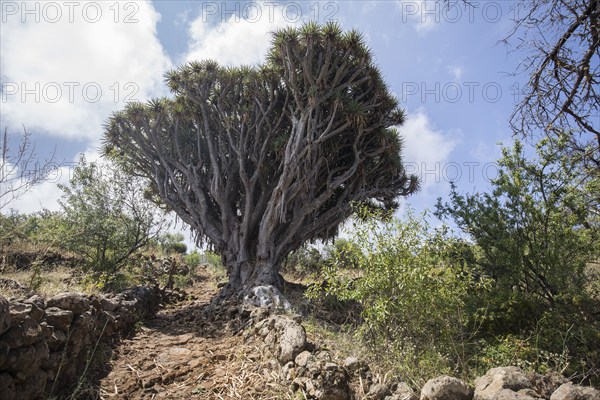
191 350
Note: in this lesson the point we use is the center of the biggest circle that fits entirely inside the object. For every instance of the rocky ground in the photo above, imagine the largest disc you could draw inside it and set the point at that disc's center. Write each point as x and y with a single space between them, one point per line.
194 349
191 350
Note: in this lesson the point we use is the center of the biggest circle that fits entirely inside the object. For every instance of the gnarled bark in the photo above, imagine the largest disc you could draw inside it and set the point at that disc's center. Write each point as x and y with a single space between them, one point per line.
259 160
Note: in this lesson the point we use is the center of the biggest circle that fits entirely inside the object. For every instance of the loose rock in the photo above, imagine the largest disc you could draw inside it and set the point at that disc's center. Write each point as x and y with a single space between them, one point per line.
446 387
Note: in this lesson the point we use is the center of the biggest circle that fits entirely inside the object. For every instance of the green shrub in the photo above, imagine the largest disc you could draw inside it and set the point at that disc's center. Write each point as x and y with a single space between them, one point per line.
418 298
305 260
192 259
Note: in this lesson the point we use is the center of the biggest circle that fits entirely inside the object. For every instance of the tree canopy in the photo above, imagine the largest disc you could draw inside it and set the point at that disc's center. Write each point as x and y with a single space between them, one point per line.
258 160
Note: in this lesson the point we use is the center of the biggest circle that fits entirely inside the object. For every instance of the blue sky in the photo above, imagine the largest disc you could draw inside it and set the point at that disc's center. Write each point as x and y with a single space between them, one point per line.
65 66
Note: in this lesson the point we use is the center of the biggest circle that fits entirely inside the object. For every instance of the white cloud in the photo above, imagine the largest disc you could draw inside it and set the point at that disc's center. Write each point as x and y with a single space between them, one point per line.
426 150
66 77
43 195
456 71
236 41
425 14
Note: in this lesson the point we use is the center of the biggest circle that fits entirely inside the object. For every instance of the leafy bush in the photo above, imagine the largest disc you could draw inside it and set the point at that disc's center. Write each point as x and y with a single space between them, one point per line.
106 219
192 259
305 260
418 297
538 228
172 243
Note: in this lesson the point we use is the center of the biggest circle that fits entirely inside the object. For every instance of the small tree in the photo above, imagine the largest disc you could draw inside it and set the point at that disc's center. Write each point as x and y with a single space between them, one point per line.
106 217
260 160
539 226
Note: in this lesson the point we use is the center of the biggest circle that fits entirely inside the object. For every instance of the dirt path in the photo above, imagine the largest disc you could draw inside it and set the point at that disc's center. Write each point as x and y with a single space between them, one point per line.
190 350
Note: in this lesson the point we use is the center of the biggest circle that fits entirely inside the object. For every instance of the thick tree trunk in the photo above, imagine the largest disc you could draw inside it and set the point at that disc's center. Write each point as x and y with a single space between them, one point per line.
245 274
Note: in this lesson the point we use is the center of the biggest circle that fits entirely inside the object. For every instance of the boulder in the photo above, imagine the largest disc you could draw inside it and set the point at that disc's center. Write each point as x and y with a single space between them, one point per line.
357 368
108 304
32 331
507 394
569 391
4 315
323 381
495 380
18 312
545 385
4 350
304 358
7 384
14 337
267 296
285 337
58 318
33 387
446 387
378 391
37 300
403 392
72 301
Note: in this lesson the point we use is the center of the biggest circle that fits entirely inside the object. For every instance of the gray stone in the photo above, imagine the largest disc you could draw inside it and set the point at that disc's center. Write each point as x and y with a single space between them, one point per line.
378 391
57 340
403 392
545 385
14 337
590 393
285 337
569 391
19 311
446 387
303 358
22 360
356 367
72 301
82 332
59 318
4 350
7 384
37 300
267 296
495 380
32 331
108 304
33 387
4 315
507 394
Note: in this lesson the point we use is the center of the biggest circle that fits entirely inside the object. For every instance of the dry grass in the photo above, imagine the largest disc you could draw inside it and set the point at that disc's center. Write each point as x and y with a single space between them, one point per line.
44 282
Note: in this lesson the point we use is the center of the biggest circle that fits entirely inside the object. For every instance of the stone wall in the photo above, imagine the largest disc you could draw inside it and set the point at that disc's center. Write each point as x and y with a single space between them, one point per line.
317 375
45 344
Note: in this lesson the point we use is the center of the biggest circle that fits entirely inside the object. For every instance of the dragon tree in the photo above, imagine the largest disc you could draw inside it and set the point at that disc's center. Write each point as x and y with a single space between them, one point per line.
258 160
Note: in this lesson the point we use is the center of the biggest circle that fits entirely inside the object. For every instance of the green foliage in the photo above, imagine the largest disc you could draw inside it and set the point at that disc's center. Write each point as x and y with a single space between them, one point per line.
192 260
260 160
105 218
536 229
172 243
418 297
536 237
304 260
